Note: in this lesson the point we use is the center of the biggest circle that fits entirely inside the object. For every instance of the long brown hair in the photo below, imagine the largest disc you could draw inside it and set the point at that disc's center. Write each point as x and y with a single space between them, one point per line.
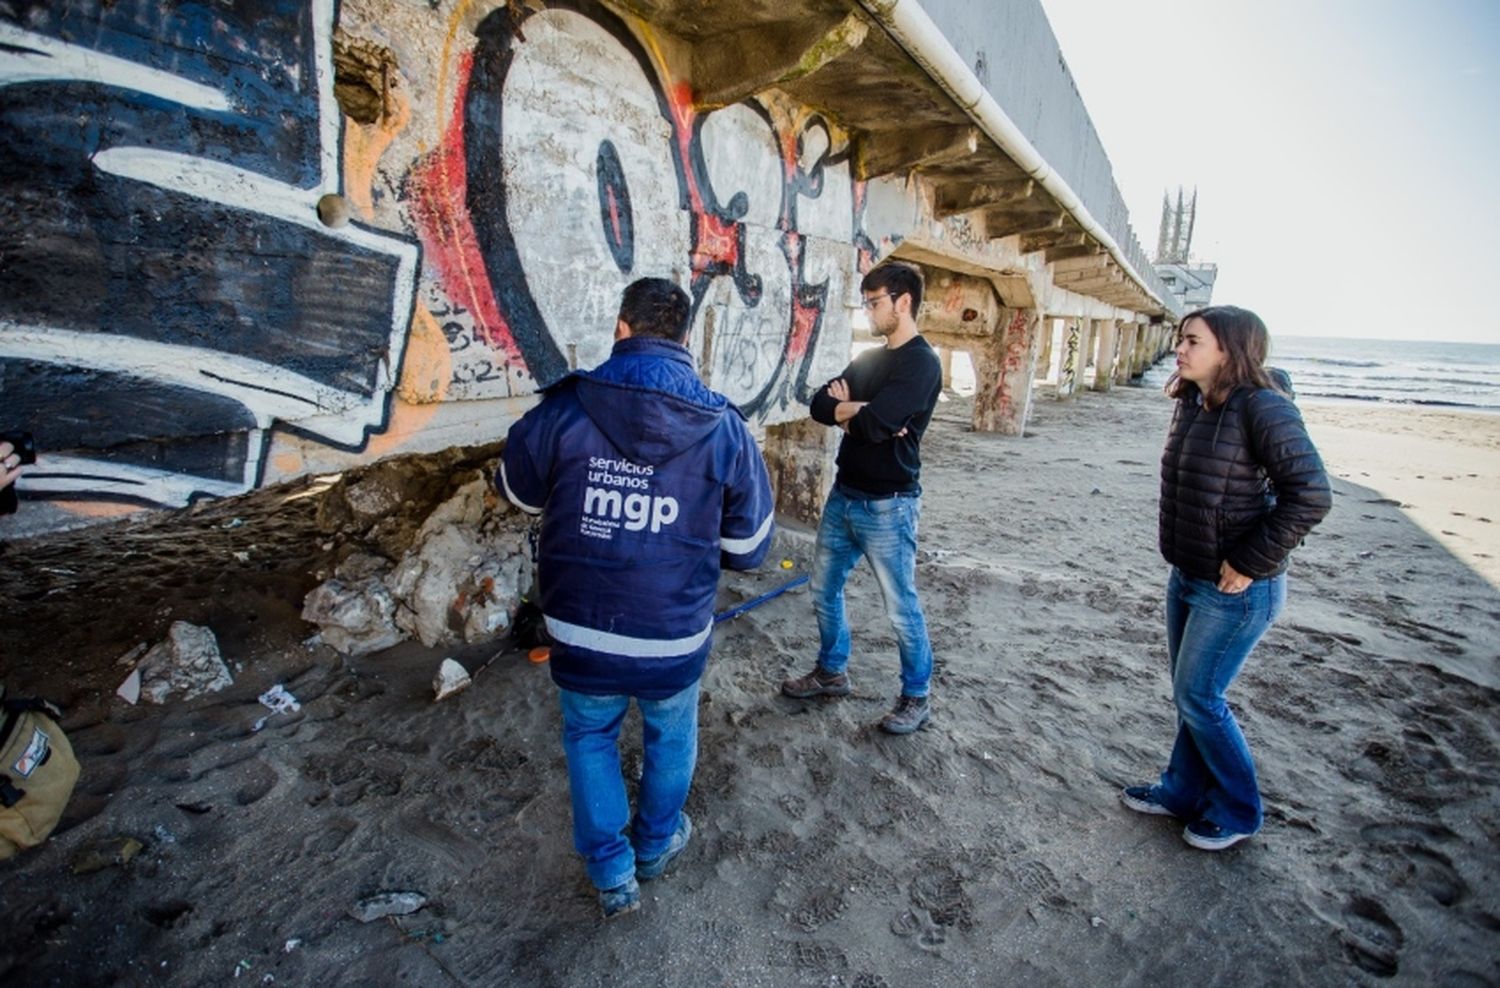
1245 342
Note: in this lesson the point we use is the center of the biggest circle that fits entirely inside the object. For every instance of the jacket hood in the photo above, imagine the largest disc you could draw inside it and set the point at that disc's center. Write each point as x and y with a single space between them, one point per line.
648 401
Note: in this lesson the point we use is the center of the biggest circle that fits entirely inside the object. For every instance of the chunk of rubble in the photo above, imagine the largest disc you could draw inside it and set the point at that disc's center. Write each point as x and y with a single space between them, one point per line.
460 581
355 618
186 665
384 904
463 578
105 852
451 678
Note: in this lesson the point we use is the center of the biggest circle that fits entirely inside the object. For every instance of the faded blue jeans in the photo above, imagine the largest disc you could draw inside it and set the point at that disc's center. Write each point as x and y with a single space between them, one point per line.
885 531
601 809
1210 633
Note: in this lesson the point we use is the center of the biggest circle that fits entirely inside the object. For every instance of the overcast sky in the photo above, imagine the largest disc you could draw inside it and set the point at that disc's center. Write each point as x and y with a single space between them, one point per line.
1346 152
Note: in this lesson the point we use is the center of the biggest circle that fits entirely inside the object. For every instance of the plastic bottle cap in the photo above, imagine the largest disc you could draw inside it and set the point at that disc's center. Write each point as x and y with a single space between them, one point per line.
540 654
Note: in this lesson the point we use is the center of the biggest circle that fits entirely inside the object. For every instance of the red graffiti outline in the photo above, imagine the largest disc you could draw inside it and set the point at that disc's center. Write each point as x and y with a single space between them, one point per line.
439 205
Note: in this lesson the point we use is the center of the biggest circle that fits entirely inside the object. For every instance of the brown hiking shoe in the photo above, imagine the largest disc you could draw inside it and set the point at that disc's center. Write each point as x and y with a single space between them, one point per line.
910 713
817 683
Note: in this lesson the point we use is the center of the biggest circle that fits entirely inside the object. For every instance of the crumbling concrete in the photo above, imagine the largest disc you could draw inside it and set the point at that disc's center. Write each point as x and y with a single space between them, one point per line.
460 580
186 665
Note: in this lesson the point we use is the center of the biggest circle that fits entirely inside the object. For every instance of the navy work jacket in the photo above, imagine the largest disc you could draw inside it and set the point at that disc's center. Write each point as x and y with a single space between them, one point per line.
648 483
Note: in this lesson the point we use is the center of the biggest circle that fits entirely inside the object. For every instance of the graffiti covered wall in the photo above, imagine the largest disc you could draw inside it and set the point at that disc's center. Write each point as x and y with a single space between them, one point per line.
180 323
171 296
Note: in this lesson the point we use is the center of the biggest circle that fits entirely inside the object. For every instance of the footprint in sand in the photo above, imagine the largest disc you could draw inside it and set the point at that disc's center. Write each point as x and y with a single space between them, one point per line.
1407 831
919 926
260 780
1436 876
1426 867
940 893
165 914
819 907
330 838
810 956
1371 939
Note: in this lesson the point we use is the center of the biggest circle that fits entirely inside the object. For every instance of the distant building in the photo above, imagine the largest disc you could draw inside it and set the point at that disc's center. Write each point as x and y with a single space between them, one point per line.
1192 284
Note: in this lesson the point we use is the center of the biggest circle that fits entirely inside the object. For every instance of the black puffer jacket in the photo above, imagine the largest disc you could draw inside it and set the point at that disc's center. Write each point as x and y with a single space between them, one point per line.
1240 482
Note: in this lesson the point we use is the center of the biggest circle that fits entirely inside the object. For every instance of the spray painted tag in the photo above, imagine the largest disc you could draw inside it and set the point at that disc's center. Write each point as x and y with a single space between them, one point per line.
35 754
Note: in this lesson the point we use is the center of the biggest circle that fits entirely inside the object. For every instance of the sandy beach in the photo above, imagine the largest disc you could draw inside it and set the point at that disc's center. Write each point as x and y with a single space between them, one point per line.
988 849
1443 468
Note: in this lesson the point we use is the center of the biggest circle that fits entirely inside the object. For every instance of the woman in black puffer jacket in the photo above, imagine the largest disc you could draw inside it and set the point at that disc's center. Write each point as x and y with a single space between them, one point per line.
1241 484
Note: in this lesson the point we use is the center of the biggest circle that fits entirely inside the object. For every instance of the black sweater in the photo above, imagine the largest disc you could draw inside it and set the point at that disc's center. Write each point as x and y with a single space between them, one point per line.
1240 482
901 386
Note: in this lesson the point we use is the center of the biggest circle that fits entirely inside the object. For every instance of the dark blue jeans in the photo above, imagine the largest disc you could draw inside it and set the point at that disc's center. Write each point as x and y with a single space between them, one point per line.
601 810
884 531
1209 635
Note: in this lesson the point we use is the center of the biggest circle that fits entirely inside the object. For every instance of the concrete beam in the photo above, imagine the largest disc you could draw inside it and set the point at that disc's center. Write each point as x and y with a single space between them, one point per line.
1089 262
1069 252
1032 242
1080 281
954 199
735 65
1096 289
1010 223
886 152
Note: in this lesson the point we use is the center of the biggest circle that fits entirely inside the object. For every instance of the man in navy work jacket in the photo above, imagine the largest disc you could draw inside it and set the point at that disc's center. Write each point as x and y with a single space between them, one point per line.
883 401
647 483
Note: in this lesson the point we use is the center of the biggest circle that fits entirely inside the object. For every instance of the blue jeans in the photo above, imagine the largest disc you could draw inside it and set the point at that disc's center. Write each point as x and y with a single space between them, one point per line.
1209 635
884 530
601 810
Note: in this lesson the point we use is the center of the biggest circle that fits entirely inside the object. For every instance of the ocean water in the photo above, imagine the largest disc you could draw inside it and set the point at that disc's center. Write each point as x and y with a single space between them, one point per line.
1411 372
1394 372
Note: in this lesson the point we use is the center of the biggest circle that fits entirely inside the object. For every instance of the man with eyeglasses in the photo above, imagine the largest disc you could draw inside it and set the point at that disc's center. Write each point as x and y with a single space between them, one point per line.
883 401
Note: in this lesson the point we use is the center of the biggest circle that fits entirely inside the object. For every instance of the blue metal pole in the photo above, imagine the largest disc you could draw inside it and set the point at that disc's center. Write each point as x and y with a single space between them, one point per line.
737 610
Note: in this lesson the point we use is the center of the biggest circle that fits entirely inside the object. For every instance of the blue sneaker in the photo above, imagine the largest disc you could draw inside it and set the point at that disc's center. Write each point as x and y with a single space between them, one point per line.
621 899
1209 836
1143 799
650 868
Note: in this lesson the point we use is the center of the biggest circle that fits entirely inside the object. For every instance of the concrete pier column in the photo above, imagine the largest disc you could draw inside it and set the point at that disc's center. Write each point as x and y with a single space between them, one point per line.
1124 363
1104 354
1070 359
1087 330
945 357
1148 348
1044 358
1005 365
800 459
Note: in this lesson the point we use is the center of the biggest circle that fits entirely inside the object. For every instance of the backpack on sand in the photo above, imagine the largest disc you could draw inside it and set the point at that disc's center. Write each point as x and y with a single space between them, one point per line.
37 772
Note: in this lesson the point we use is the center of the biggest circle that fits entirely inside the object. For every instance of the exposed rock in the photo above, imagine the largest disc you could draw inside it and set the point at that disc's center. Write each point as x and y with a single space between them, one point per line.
464 577
130 689
361 566
384 904
451 678
372 498
460 580
105 852
186 665
354 618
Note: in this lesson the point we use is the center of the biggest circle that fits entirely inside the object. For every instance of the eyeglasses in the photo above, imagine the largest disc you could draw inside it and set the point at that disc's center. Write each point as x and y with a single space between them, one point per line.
874 300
